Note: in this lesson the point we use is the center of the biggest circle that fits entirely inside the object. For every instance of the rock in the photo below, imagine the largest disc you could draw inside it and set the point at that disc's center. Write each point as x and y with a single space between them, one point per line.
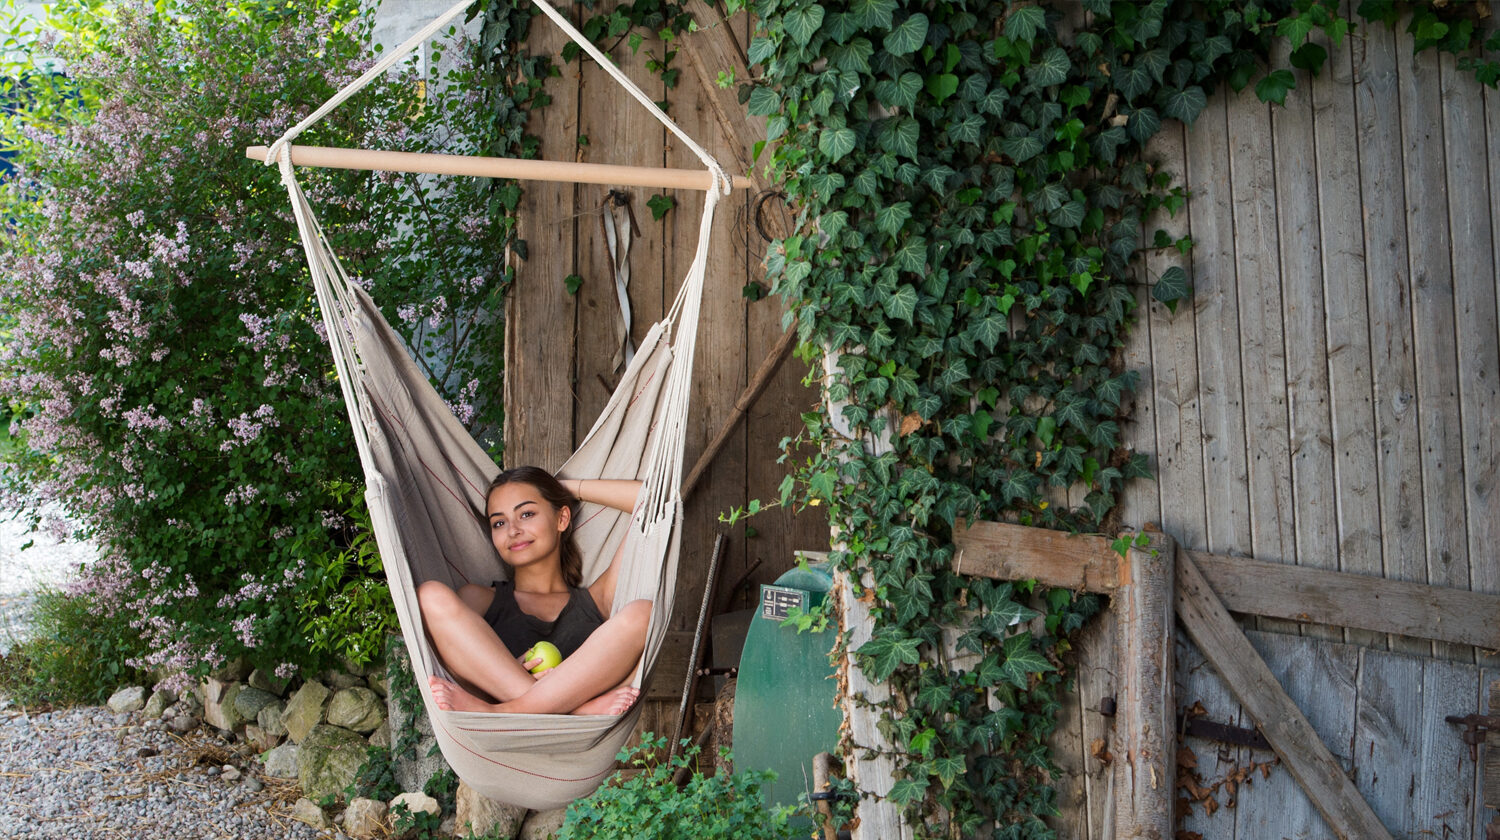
415 802
259 739
231 773
183 723
191 703
128 699
235 670
304 710
411 773
356 708
157 705
481 817
308 811
269 719
448 827
360 671
381 737
254 785
281 762
329 759
365 818
267 682
250 701
218 704
541 825
379 683
341 679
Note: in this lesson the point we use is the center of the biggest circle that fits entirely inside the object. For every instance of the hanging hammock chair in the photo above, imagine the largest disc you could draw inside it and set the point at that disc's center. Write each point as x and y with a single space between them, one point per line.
426 479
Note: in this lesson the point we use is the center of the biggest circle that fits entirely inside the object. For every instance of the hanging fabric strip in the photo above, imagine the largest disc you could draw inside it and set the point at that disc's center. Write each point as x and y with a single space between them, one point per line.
618 221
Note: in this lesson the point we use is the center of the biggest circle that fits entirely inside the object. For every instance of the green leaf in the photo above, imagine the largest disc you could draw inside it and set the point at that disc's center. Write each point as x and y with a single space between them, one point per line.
902 304
803 23
836 143
942 86
908 36
887 651
907 791
873 14
1171 287
890 219
1051 68
1309 57
659 205
1021 149
1025 22
1022 660
1184 104
948 769
912 255
763 101
572 283
761 49
990 328
1275 86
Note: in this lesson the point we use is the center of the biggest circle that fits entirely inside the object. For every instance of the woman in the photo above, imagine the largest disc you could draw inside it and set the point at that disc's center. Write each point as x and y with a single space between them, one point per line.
480 631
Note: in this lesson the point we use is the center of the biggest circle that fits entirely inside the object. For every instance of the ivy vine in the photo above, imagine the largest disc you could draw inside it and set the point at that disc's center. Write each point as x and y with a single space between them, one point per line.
970 190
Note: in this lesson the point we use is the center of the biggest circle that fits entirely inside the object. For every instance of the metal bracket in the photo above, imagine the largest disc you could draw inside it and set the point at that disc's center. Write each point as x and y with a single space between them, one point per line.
1201 727
1475 727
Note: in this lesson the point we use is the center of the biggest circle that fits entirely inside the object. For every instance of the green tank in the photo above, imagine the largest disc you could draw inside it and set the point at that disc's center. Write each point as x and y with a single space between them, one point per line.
785 705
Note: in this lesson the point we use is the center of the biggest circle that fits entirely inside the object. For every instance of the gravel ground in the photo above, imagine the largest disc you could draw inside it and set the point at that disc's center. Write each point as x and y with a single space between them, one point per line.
90 774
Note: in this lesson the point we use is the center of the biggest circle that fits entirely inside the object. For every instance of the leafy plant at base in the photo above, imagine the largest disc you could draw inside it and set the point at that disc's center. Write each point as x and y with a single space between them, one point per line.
971 190
74 654
724 805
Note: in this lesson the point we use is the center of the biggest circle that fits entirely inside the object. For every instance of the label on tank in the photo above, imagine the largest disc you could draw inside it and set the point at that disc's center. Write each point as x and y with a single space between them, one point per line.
776 602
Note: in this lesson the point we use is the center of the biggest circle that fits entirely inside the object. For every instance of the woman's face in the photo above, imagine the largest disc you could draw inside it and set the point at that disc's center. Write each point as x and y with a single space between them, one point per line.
524 526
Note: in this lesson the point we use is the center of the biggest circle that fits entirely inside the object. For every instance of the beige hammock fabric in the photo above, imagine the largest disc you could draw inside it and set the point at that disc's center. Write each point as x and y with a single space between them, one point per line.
425 490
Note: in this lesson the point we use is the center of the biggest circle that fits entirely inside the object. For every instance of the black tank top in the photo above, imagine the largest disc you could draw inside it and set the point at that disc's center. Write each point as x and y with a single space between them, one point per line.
520 630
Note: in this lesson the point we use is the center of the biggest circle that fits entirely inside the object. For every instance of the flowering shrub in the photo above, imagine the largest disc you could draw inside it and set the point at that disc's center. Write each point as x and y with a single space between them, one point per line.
163 363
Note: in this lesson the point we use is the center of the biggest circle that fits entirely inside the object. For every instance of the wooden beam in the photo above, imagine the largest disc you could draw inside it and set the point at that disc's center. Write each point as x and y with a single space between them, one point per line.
1145 743
495 167
752 392
1299 593
1016 552
1209 624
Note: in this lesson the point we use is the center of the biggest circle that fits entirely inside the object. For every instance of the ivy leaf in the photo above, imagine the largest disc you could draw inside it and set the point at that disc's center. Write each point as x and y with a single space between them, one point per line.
902 304
908 36
989 329
660 204
1275 86
802 24
836 143
1131 80
1009 613
1021 149
948 769
1309 57
1171 287
906 791
763 101
935 696
1050 69
761 50
1184 104
907 88
1069 215
1017 485
573 283
1143 125
942 86
1295 29
903 137
887 652
873 14
1025 22
890 219
1022 660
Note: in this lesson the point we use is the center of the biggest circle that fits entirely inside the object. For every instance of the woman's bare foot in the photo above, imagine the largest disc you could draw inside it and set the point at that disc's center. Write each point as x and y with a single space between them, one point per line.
450 697
614 702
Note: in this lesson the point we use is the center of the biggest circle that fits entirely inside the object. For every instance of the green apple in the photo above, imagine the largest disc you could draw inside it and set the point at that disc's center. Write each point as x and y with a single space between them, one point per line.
545 651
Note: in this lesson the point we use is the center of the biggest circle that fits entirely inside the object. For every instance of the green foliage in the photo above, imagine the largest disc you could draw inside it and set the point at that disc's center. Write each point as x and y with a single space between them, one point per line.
727 806
971 190
75 654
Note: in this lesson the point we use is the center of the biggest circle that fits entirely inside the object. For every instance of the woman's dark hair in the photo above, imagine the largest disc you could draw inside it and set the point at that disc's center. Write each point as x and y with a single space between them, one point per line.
555 494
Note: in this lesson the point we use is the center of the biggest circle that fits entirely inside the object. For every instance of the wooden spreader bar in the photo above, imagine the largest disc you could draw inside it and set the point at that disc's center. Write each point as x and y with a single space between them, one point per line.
496 167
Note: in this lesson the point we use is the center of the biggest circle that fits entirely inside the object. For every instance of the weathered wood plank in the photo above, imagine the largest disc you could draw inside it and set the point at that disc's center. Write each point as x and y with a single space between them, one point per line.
1457 616
1198 684
1398 462
1313 491
1351 390
539 322
1174 369
1261 335
1284 726
1097 680
1004 551
867 766
1217 321
1320 678
1431 289
1442 799
1145 744
1472 185
1088 562
1488 792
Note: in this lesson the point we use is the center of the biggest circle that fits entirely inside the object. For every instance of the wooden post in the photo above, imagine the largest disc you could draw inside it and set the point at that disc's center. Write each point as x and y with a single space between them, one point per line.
1145 745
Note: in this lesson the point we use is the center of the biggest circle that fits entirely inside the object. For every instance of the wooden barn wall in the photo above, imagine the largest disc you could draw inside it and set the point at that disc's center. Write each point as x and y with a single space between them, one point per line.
559 346
1328 396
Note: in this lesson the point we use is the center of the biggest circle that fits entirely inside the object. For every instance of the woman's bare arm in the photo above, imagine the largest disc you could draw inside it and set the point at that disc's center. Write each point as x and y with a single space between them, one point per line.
618 493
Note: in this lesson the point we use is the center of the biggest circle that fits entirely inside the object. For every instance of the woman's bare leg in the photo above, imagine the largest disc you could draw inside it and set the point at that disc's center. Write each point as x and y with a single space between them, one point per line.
468 645
596 671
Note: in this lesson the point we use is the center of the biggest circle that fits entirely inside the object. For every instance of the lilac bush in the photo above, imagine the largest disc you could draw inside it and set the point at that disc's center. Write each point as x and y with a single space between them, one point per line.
161 356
